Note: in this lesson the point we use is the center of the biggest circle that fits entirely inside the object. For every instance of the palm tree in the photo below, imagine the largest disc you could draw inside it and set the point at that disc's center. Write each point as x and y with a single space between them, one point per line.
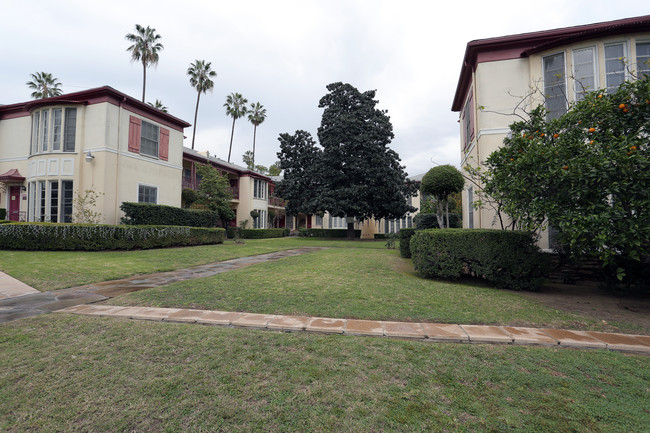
256 115
144 49
235 108
200 74
44 85
159 105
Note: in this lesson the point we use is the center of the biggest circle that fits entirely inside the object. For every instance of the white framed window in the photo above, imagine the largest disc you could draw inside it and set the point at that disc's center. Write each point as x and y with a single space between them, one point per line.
555 85
468 121
319 220
259 188
338 222
50 201
147 194
149 139
642 59
260 221
470 207
53 129
584 72
614 66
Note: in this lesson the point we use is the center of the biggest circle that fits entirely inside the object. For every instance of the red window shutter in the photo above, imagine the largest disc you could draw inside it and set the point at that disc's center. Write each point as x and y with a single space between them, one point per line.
134 134
163 151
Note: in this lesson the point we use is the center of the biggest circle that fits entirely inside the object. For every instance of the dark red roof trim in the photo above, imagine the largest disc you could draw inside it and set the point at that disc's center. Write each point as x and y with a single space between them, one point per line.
12 176
525 44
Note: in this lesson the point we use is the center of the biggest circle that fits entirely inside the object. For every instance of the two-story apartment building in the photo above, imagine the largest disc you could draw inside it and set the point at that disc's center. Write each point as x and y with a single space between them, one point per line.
505 76
53 150
251 190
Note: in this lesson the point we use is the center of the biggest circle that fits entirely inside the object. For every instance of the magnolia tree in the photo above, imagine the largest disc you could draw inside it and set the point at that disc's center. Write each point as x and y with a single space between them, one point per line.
586 174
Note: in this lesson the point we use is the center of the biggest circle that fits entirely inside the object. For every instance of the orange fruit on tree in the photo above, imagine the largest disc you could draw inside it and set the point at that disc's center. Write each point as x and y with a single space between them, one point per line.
556 135
621 106
592 129
566 167
625 110
600 96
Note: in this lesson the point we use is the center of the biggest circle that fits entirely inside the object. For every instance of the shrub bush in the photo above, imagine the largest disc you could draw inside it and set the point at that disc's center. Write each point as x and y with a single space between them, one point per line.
380 236
261 233
5 221
157 214
3 214
327 233
47 236
405 241
507 259
424 221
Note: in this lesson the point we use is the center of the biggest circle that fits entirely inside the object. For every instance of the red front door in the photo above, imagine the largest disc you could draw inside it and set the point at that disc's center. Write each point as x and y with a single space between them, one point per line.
14 203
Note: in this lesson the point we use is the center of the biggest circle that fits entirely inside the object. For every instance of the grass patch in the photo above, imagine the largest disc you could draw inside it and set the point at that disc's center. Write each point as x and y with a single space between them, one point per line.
72 373
51 270
355 283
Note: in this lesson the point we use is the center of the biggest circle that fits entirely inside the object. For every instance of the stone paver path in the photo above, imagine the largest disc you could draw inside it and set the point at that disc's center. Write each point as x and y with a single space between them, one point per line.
426 332
31 304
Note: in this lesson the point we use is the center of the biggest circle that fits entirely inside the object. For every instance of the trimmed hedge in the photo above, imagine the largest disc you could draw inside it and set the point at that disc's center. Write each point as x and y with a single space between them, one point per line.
327 233
507 259
48 236
405 235
256 233
5 221
380 236
158 214
424 221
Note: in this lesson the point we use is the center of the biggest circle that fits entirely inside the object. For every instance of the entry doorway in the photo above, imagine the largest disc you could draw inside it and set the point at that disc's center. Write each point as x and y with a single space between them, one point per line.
14 203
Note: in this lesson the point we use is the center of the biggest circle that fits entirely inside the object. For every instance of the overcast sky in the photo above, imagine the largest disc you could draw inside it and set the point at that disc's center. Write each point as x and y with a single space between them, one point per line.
282 54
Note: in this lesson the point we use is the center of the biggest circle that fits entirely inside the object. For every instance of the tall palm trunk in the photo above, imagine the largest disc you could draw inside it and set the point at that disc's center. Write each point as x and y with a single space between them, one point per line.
254 134
196 112
232 134
144 78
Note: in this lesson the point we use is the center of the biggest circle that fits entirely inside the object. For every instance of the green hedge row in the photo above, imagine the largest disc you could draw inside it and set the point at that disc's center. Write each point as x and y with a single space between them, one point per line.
5 221
47 236
507 259
256 233
327 233
158 214
404 242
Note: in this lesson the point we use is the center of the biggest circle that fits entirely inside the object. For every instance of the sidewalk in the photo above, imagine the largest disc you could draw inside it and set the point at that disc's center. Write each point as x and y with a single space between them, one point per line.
11 287
426 332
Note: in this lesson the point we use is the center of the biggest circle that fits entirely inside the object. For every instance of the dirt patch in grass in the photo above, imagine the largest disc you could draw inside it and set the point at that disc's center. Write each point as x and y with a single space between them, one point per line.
597 304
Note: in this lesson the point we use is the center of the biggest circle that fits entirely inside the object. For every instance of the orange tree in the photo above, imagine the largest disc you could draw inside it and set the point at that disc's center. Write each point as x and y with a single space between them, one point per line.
587 174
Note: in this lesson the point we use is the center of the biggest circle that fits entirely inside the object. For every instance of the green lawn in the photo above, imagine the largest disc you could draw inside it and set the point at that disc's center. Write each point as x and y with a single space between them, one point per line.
50 270
356 283
73 373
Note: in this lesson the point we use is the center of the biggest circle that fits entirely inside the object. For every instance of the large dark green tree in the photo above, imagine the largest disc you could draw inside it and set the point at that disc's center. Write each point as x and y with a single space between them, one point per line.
586 174
363 175
301 160
145 47
441 182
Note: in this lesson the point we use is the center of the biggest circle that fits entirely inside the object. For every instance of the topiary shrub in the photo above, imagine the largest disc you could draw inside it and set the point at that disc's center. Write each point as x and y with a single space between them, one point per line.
47 236
405 241
424 221
507 259
157 214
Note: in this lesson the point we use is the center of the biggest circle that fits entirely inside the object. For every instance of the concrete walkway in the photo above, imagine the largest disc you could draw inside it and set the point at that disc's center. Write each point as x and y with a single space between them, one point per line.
430 332
11 287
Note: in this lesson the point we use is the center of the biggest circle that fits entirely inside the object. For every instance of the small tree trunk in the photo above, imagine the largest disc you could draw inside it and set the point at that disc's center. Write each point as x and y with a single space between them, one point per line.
439 216
447 211
351 231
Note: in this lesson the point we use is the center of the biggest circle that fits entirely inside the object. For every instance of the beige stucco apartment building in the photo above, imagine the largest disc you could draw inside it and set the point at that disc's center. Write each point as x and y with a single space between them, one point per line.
508 75
52 150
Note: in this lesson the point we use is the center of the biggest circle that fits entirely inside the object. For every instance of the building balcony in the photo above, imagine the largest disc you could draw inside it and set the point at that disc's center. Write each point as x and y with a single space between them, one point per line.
235 192
187 183
276 201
